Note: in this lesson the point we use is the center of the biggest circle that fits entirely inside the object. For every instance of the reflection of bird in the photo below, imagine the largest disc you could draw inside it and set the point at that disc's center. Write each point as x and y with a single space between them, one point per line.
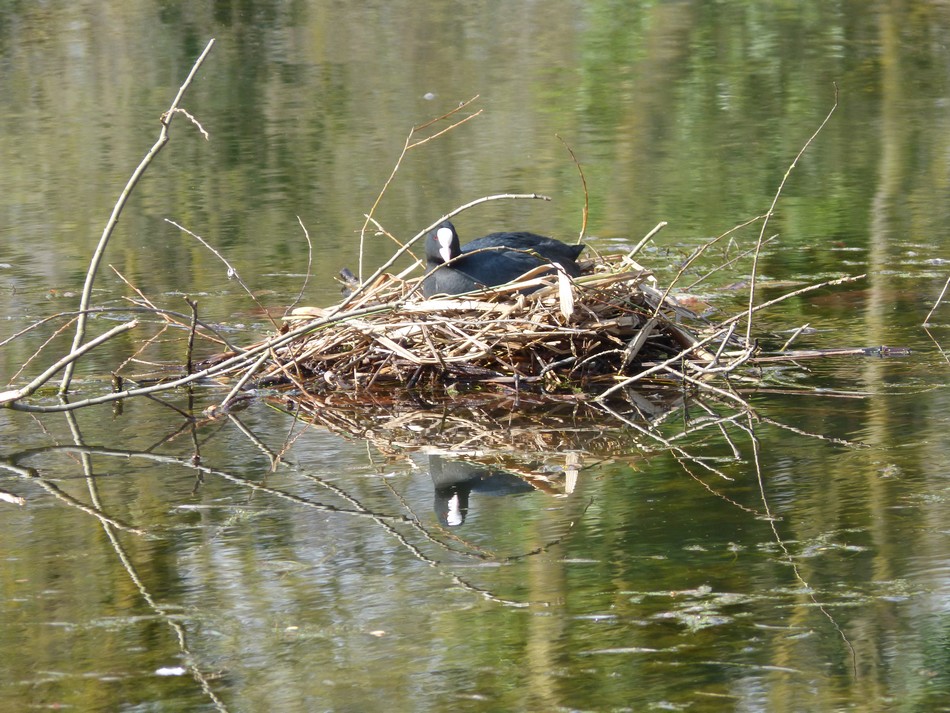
489 261
454 480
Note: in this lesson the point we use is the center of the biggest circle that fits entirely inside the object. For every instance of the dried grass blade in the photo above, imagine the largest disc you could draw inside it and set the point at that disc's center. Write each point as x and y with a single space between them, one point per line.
636 344
565 292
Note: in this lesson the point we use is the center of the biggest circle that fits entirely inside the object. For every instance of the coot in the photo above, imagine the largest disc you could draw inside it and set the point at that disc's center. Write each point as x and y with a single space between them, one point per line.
489 261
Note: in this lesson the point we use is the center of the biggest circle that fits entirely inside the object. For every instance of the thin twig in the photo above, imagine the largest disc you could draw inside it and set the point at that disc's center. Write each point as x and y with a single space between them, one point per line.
248 373
585 211
937 303
696 254
726 264
306 278
137 309
232 271
794 336
191 334
405 248
771 212
407 146
646 238
40 348
416 261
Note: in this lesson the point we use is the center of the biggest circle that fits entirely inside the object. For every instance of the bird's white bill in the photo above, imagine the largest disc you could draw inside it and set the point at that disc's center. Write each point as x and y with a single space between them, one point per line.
444 236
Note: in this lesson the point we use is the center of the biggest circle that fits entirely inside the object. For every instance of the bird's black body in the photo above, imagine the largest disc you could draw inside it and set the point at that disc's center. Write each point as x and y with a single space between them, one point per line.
489 261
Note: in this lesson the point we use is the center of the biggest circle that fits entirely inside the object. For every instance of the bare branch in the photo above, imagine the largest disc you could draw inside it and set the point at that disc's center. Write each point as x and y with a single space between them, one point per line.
117 210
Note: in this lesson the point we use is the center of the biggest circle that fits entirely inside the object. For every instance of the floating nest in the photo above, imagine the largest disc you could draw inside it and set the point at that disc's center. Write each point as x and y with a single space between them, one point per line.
577 338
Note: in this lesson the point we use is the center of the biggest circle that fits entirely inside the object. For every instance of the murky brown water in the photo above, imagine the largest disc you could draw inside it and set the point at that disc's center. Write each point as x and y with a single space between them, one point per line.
476 558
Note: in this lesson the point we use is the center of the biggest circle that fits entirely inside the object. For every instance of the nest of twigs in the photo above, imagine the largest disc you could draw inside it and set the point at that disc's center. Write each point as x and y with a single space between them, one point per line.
579 336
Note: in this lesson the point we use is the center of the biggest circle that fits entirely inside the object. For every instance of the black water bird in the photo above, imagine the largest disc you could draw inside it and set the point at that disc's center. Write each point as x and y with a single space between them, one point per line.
489 261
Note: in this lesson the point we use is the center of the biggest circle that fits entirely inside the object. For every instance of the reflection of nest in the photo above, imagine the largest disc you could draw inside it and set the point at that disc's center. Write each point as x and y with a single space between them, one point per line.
473 428
569 336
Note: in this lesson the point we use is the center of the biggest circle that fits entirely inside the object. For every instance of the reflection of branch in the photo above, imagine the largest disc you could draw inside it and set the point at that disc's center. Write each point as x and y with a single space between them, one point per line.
34 477
809 434
472 550
167 617
11 498
551 543
713 491
382 520
435 564
668 445
130 568
413 522
261 446
749 428
204 470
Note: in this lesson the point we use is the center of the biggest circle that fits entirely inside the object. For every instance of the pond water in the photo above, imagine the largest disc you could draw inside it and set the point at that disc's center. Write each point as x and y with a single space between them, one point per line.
479 557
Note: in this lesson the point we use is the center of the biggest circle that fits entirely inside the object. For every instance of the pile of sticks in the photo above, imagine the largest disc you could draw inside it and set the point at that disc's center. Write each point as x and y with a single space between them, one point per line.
571 335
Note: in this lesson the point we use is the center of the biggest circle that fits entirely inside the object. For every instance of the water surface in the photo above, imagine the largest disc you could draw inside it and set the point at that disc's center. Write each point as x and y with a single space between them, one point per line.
796 560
